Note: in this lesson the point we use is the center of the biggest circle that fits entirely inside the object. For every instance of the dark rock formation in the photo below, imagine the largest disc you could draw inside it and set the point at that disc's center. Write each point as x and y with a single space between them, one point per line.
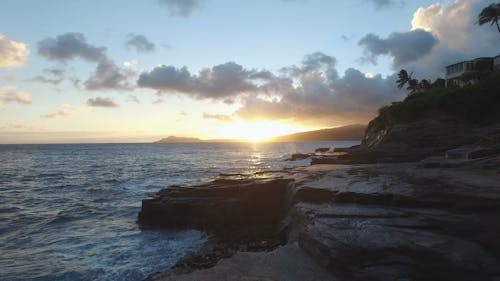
414 141
299 156
321 149
392 223
231 208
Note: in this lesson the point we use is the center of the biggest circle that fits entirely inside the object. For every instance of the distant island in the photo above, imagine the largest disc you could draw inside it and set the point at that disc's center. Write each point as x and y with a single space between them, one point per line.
174 139
344 133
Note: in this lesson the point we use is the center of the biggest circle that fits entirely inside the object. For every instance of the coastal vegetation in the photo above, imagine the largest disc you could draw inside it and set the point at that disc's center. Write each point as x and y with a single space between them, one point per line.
415 85
476 104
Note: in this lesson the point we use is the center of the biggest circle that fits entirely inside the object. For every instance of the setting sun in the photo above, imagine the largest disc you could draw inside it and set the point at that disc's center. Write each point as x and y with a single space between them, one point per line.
255 131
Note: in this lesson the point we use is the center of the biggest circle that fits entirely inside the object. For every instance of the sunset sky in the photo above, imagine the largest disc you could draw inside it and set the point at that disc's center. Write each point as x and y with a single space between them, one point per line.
139 70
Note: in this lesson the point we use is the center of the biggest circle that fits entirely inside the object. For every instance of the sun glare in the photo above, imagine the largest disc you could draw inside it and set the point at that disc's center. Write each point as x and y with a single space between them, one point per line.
255 131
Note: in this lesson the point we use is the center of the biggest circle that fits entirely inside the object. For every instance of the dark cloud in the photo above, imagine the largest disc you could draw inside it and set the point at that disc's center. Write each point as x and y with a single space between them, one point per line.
108 76
219 82
43 79
101 102
52 76
180 7
220 117
404 47
312 63
328 101
70 46
140 43
385 3
314 92
310 92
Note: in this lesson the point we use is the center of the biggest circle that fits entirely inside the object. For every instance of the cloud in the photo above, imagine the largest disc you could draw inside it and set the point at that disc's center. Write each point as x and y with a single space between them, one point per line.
140 43
134 99
10 94
108 76
459 37
56 76
220 117
65 111
379 4
402 47
312 92
319 98
219 82
19 127
101 102
12 53
182 8
70 46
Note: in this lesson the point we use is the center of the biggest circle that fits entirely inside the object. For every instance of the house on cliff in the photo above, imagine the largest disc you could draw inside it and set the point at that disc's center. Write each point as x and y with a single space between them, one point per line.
465 72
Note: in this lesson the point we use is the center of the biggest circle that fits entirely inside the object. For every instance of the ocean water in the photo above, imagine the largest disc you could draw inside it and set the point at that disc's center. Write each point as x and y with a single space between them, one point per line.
68 211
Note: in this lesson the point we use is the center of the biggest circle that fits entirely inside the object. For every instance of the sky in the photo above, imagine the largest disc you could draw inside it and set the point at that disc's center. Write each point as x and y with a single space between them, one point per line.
137 71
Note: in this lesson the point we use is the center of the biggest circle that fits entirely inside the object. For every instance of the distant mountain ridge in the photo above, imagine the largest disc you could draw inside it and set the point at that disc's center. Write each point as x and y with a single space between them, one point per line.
174 139
345 133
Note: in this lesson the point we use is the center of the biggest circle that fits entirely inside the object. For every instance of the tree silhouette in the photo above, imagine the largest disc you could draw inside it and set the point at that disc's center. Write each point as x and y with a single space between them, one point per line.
425 85
403 78
412 86
490 14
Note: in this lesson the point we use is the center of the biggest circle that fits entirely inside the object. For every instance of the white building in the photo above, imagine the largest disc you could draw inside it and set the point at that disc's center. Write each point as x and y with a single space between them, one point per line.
461 73
496 63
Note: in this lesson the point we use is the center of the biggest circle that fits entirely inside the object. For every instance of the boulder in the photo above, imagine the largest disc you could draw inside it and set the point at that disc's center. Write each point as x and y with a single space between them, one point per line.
299 156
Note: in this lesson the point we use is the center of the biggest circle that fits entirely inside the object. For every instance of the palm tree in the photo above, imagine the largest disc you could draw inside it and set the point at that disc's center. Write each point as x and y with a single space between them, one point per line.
424 85
412 86
403 78
490 14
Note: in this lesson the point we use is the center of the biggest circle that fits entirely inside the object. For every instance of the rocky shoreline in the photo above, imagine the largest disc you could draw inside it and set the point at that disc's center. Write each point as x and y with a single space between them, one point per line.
391 221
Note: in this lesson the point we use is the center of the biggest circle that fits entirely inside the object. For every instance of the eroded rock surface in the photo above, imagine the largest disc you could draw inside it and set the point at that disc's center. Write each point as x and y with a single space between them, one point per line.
357 222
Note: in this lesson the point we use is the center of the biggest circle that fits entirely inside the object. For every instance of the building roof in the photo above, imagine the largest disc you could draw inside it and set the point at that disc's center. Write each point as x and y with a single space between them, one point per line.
480 58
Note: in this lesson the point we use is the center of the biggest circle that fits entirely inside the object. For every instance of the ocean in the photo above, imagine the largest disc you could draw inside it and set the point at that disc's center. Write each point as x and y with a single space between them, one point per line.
68 211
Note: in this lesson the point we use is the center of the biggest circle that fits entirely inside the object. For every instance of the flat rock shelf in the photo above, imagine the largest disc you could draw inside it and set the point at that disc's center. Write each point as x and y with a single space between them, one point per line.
338 222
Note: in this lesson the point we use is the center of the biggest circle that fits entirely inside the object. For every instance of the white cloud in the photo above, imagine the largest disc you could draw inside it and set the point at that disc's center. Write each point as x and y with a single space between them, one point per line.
459 37
66 110
12 53
10 94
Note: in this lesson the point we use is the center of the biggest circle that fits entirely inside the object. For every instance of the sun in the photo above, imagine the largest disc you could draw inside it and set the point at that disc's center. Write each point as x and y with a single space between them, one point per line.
254 131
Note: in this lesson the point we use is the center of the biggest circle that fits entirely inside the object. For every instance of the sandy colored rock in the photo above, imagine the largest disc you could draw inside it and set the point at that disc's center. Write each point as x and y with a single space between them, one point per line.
287 263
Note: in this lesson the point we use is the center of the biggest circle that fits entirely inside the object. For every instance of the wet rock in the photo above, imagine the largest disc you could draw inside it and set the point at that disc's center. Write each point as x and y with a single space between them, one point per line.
234 209
321 149
299 156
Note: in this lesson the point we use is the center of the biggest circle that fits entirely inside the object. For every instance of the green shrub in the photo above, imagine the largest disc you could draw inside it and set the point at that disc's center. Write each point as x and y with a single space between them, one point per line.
478 103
